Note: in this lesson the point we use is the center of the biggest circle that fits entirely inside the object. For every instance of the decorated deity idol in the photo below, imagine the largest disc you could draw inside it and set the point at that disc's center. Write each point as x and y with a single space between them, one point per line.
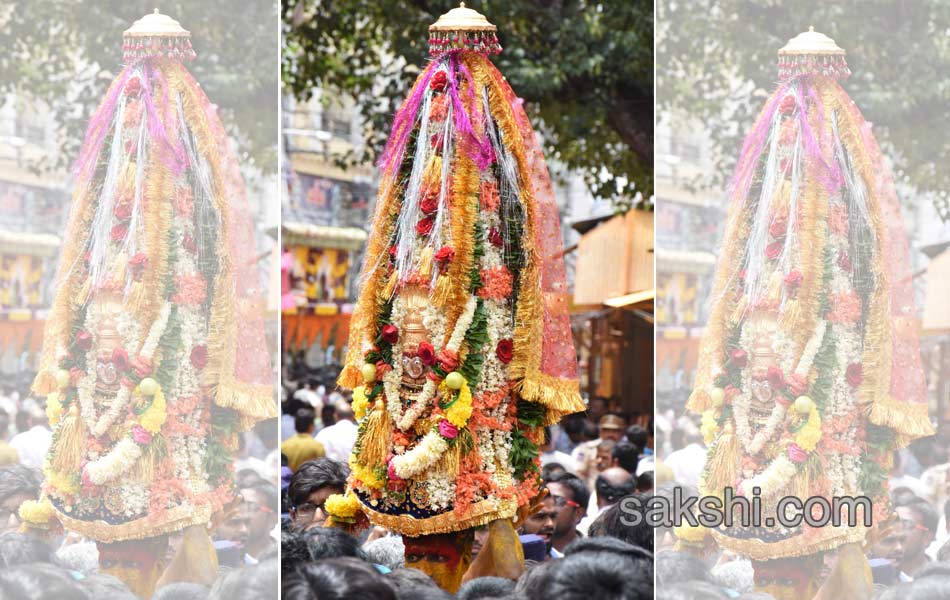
809 374
460 349
154 355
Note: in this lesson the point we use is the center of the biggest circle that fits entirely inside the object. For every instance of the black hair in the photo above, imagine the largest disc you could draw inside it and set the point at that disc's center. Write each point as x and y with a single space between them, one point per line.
591 430
336 579
638 436
265 489
303 420
552 471
613 493
645 481
531 583
692 590
486 588
928 516
107 587
678 567
40 582
604 576
248 583
19 479
610 545
413 584
330 542
23 549
612 523
627 456
315 474
579 491
181 590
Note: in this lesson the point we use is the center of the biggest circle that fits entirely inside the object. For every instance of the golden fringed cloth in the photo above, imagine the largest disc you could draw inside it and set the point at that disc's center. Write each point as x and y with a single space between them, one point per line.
809 372
460 347
154 355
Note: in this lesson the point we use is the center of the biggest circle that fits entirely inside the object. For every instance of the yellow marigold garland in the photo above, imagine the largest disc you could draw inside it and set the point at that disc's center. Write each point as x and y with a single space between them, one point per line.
54 409
709 426
807 437
460 411
154 416
366 474
36 512
360 402
342 506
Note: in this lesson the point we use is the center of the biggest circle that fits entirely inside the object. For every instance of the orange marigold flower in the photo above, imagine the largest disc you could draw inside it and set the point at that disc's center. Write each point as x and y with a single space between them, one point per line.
440 105
489 196
496 283
192 290
845 308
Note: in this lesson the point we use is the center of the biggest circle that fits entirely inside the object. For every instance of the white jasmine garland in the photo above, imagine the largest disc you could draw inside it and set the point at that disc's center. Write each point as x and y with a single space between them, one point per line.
425 454
811 349
773 479
462 325
115 463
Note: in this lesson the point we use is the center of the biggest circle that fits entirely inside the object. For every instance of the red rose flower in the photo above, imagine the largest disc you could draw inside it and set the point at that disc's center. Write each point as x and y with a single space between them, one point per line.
773 250
424 226
120 358
494 236
504 350
429 204
133 87
123 211
75 374
426 353
436 140
84 340
142 367
444 255
775 377
189 243
119 232
731 392
137 264
439 81
796 384
844 261
382 367
794 279
787 105
392 253
448 360
390 334
778 227
739 358
854 374
199 356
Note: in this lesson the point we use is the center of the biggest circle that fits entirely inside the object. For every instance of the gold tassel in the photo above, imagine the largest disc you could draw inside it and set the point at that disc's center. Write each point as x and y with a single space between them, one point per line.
791 315
377 437
449 461
70 443
391 285
775 286
425 263
443 289
723 467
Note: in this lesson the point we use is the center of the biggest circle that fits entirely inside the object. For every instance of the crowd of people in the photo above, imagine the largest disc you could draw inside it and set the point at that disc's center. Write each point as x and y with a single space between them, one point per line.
576 545
909 555
40 564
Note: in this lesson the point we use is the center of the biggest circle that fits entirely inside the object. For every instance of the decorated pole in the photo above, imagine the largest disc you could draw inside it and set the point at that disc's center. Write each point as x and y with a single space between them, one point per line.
460 349
809 372
154 355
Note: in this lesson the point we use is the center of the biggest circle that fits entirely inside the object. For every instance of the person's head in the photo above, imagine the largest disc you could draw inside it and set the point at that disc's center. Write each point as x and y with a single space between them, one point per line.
888 542
138 563
570 496
902 495
612 427
330 542
919 523
343 411
18 483
626 456
40 582
107 587
573 426
181 591
645 481
81 556
692 590
481 538
486 588
548 444
552 470
613 522
312 384
304 421
234 528
327 415
591 432
542 523
605 576
610 545
638 436
413 584
612 485
248 583
20 549
444 557
677 567
260 508
336 579
388 551
605 455
596 408
314 482
788 578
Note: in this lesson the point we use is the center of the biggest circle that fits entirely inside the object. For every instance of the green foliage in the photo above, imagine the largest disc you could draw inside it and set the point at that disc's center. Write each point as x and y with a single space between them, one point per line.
522 455
585 70
530 414
716 62
66 52
219 458
475 338
168 345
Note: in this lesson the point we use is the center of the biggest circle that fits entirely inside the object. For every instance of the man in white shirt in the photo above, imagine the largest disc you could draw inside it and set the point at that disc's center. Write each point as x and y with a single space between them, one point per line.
338 439
33 444
687 463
